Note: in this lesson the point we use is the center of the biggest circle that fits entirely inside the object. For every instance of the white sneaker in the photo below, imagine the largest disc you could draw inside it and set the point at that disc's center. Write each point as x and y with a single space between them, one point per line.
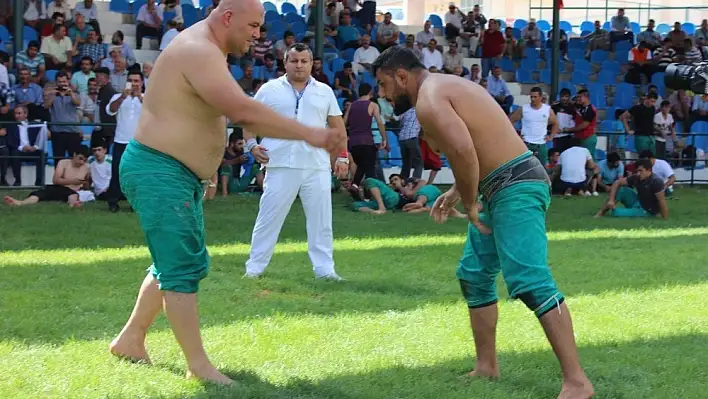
595 194
587 193
252 275
330 277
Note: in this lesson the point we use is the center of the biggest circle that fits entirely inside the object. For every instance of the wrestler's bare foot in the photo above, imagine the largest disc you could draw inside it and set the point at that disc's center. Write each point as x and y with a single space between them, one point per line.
483 372
209 373
577 390
130 348
10 201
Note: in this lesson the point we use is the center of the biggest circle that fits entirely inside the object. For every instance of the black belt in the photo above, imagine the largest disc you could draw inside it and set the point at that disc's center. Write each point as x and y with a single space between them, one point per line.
530 169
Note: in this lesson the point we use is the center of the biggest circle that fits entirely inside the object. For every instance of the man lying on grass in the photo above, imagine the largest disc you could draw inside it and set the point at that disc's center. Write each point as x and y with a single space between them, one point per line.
419 193
648 199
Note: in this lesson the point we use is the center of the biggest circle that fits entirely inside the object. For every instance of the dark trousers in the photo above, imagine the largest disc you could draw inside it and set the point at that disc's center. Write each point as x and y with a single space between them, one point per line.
4 162
115 194
634 75
365 160
621 36
451 31
65 143
143 30
410 154
51 65
39 159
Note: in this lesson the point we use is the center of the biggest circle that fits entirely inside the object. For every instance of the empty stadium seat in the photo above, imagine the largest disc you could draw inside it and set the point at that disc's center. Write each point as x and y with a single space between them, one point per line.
577 44
575 54
595 87
236 71
606 26
516 33
663 29
607 77
582 65
530 52
349 54
567 27
689 28
611 66
544 25
395 150
29 33
520 23
293 17
599 56
580 78
658 80
624 97
623 46
268 6
119 6
272 15
598 99
636 28
524 76
435 20
340 102
286 8
587 26
546 76
51 75
530 64
622 57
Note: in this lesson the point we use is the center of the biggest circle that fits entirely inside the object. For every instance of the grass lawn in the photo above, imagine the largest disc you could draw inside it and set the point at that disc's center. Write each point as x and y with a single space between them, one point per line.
397 328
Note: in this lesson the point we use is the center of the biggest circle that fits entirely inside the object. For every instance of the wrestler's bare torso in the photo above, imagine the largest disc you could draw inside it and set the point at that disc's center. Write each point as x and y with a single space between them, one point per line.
495 140
175 120
67 170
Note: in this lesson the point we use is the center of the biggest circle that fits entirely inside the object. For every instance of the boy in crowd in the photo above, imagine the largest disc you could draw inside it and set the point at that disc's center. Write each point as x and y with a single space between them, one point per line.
100 165
642 194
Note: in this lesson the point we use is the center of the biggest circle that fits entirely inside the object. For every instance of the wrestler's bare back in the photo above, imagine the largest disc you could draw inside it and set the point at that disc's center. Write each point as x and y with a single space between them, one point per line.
493 135
175 120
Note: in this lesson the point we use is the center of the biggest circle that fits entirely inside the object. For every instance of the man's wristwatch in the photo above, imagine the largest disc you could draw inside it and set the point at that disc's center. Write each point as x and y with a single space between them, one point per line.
343 160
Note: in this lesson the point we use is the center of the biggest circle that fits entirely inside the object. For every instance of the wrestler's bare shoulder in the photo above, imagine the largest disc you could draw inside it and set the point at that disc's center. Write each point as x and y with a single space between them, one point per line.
192 45
438 87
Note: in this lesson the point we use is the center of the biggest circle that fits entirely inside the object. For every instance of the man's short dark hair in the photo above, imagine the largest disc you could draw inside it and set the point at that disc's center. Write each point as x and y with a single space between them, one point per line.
269 56
552 151
364 89
565 92
87 58
82 150
665 103
61 74
298 48
395 175
389 14
347 65
136 72
537 90
652 21
58 14
583 92
236 136
613 157
33 43
91 80
652 96
620 9
644 163
646 154
317 59
288 34
395 58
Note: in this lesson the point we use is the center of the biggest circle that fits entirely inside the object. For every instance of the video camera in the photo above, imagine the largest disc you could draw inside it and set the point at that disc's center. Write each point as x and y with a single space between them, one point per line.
687 77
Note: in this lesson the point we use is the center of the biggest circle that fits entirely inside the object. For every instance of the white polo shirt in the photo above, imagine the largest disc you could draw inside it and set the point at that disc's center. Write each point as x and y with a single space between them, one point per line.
317 102
127 117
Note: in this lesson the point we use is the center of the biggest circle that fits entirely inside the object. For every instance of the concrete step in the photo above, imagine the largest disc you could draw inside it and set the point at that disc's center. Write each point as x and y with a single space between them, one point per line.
109 27
146 55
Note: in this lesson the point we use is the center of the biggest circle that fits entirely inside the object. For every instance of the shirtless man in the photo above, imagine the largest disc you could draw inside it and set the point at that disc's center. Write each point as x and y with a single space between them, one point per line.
178 146
70 176
487 157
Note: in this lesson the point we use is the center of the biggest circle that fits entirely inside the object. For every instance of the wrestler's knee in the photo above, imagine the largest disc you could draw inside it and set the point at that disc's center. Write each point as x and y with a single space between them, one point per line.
184 279
542 299
479 288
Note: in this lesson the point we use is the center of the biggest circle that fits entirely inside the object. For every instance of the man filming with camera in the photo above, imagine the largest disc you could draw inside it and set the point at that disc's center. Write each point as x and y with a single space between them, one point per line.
62 102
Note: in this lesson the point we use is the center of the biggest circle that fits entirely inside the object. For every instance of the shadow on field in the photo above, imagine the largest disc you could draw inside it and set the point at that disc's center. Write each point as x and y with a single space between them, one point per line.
662 368
49 303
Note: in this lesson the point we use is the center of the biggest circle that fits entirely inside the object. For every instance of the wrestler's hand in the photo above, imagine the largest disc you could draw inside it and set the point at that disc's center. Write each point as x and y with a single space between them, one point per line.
259 154
443 205
473 216
332 140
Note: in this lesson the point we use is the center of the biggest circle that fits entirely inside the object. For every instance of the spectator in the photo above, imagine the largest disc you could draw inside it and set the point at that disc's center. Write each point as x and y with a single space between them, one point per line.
650 37
647 200
553 160
170 6
412 46
475 74
100 166
147 70
113 55
331 17
531 36
621 28
235 160
79 81
701 34
210 8
27 143
472 28
173 26
677 37
535 119
484 83
639 64
318 73
35 11
88 109
70 176
432 57
270 67
387 33
512 45
246 82
497 87
660 169
572 168
453 22
126 107
105 94
410 146
585 122
692 55
281 46
598 40
565 114
424 37
47 29
681 108
29 95
262 46
460 71
452 59
359 119
59 6
664 55
118 40
79 32
611 170
88 9
92 49
347 35
653 89
642 116
364 56
57 49
62 103
148 23
664 130
119 75
345 82
493 46
699 111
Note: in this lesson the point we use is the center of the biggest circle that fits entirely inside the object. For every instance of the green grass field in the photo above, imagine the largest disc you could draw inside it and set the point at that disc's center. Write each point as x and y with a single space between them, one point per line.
397 328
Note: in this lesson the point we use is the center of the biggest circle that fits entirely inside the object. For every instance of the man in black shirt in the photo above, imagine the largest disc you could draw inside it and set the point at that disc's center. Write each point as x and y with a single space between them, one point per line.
647 200
565 114
105 93
643 120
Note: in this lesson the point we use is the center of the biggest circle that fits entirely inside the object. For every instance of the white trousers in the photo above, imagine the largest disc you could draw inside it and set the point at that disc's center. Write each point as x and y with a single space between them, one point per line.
280 187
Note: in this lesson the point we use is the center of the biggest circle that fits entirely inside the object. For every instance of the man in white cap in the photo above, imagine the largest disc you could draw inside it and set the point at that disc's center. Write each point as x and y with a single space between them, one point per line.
531 35
174 26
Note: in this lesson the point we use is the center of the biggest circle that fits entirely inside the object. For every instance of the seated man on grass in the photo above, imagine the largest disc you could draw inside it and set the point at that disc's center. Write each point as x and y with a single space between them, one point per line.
235 159
383 198
423 195
70 176
611 170
662 170
572 169
642 194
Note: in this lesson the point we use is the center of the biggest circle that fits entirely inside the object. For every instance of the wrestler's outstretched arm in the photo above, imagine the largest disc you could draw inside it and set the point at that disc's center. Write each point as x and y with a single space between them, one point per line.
206 71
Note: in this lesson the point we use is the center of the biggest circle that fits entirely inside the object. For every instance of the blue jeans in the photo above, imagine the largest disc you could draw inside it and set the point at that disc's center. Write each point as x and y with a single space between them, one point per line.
487 65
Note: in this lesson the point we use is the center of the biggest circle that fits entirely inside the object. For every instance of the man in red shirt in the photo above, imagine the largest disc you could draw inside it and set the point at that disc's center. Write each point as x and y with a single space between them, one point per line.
585 123
493 46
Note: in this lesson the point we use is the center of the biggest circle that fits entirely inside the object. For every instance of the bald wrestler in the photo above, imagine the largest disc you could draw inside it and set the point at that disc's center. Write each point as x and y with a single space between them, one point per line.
178 146
487 157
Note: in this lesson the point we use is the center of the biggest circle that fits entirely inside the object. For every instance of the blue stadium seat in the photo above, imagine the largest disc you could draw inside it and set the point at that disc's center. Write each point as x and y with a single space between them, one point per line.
636 28
502 24
658 80
580 78
622 57
349 54
341 101
607 77
516 33
587 26
368 78
700 141
613 66
236 71
330 76
524 76
268 6
606 26
190 15
594 87
699 127
272 15
577 44
507 65
298 27
520 23
598 99
531 53
689 28
529 64
544 25
624 46
119 6
567 27
624 97
203 4
51 74
258 72
610 114
575 54
286 8
585 33
338 64
29 33
292 17
435 20
663 29
599 56
546 76
582 65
